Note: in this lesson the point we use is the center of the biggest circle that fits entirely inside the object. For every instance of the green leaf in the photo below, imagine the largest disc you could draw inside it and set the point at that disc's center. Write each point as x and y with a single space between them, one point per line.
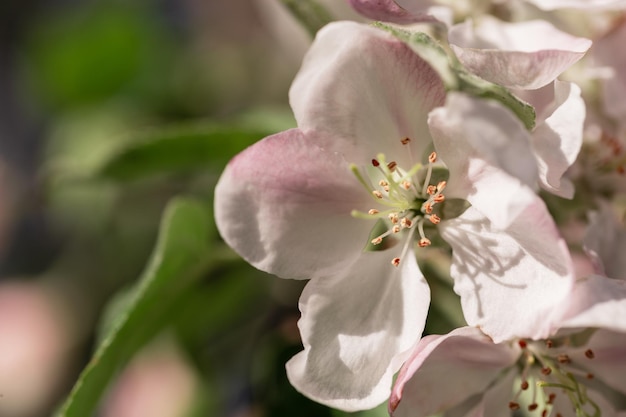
181 257
309 13
179 149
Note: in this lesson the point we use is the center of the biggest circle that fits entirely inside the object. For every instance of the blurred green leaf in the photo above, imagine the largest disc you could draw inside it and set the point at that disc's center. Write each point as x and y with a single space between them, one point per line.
309 13
93 53
182 255
180 149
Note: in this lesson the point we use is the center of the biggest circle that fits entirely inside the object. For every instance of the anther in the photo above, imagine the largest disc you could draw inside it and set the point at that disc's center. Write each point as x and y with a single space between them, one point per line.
377 241
533 406
589 354
395 262
522 344
377 194
405 141
428 208
563 358
589 375
546 371
431 189
513 405
544 413
392 166
434 219
406 223
441 185
393 217
439 198
551 398
432 158
524 385
375 163
423 242
372 212
406 185
383 183
549 343
396 229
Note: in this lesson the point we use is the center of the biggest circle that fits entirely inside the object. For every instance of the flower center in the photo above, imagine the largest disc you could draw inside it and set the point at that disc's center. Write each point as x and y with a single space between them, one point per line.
550 371
406 202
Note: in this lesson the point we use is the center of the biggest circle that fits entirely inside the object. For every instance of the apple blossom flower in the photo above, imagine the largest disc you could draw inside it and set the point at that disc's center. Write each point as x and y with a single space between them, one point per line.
306 202
466 373
525 55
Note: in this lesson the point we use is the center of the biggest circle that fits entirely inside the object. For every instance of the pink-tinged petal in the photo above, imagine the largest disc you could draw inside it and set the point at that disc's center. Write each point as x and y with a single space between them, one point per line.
579 4
613 88
595 301
525 55
605 243
487 151
495 400
284 205
357 328
557 139
390 11
510 279
367 91
444 371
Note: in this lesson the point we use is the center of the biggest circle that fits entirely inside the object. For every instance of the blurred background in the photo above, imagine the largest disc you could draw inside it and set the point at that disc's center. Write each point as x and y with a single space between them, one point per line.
108 109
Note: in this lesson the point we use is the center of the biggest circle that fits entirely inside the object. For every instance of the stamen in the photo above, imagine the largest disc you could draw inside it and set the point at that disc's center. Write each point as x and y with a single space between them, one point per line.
589 376
424 242
441 185
373 212
439 198
432 158
405 141
589 354
377 194
549 343
375 163
563 358
546 371
524 386
395 229
514 406
431 189
392 166
393 217
406 185
522 343
406 222
377 241
434 219
427 208
533 406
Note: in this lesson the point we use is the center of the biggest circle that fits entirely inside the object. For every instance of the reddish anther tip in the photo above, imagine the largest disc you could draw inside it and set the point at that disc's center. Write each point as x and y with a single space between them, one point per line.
375 163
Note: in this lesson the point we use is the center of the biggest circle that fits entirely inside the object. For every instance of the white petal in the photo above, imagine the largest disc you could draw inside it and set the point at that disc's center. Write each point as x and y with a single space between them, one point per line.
557 140
481 142
444 371
509 279
609 362
368 91
579 4
613 87
357 328
524 55
595 301
284 205
605 243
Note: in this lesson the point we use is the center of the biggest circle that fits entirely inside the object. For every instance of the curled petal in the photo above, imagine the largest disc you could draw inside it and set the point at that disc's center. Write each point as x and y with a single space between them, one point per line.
488 153
509 280
557 139
444 371
281 202
390 11
526 55
357 328
367 91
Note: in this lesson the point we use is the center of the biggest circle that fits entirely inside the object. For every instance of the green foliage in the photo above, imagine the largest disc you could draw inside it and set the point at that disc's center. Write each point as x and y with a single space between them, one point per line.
181 257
